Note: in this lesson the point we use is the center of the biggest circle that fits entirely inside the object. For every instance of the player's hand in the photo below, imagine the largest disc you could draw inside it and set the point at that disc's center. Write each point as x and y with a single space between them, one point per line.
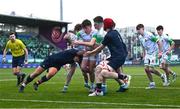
159 55
87 53
25 61
3 59
67 36
76 42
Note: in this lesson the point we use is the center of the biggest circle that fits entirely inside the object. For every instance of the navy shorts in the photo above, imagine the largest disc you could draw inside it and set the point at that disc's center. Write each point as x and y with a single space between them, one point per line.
116 63
18 61
46 64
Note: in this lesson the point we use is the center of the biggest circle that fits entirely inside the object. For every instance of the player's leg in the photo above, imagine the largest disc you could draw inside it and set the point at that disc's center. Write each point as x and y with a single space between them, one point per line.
48 76
92 64
174 75
148 72
31 77
17 63
107 73
69 77
84 68
98 70
120 82
149 75
166 62
153 60
99 81
124 82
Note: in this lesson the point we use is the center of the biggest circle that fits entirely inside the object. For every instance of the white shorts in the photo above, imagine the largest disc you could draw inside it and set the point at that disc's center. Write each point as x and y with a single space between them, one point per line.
150 60
91 58
165 58
104 65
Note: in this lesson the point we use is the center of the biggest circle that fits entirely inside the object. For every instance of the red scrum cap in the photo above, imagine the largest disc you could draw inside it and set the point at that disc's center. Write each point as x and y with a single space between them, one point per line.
108 23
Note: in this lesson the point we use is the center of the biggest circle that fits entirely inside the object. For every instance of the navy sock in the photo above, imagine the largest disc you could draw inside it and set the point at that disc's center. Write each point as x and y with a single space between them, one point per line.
121 76
98 87
43 79
28 79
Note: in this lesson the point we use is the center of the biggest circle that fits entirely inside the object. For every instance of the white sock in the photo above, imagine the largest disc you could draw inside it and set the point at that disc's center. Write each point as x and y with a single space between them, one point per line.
65 86
152 83
23 84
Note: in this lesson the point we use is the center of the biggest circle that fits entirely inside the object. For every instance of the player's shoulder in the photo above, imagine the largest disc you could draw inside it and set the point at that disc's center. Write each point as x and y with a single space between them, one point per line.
8 42
140 37
80 33
18 41
113 33
165 36
94 32
149 33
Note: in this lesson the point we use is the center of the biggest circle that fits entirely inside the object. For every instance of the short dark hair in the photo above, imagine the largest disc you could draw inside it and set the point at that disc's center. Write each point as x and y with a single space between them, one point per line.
98 19
77 27
86 22
139 26
160 27
11 33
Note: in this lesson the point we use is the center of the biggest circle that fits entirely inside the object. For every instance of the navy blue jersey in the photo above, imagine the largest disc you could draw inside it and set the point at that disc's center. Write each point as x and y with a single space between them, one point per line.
59 59
63 57
118 52
114 43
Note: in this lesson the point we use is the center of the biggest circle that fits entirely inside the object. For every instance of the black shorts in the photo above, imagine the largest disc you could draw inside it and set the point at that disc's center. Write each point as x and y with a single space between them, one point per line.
116 63
18 61
46 64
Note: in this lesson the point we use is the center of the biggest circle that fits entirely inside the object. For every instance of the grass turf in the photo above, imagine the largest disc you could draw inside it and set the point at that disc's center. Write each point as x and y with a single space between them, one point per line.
49 95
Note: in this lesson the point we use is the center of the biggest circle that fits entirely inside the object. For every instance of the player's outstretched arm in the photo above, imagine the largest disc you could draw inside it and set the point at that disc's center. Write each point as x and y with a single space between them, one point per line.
90 44
95 51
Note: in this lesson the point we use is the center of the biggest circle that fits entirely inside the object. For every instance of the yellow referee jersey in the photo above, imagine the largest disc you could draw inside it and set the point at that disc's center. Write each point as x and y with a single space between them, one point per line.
16 48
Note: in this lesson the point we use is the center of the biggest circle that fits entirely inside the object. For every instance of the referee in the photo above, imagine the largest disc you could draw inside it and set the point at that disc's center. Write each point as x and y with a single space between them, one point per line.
19 56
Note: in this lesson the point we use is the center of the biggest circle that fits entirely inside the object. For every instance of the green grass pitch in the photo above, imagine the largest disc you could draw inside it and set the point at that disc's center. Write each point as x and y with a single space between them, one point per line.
49 95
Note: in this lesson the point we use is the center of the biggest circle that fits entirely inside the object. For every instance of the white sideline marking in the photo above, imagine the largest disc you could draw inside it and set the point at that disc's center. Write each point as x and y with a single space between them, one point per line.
169 87
97 103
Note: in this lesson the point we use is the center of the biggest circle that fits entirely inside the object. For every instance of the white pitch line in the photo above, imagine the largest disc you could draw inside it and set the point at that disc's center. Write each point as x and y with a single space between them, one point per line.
177 88
96 103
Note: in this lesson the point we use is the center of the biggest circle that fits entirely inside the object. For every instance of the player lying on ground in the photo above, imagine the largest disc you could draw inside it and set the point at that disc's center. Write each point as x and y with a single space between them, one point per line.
53 63
108 69
19 56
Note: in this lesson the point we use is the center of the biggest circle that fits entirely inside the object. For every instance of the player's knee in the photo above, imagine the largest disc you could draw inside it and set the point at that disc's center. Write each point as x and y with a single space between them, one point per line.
100 77
51 74
98 70
84 68
15 73
147 70
164 68
151 69
104 73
